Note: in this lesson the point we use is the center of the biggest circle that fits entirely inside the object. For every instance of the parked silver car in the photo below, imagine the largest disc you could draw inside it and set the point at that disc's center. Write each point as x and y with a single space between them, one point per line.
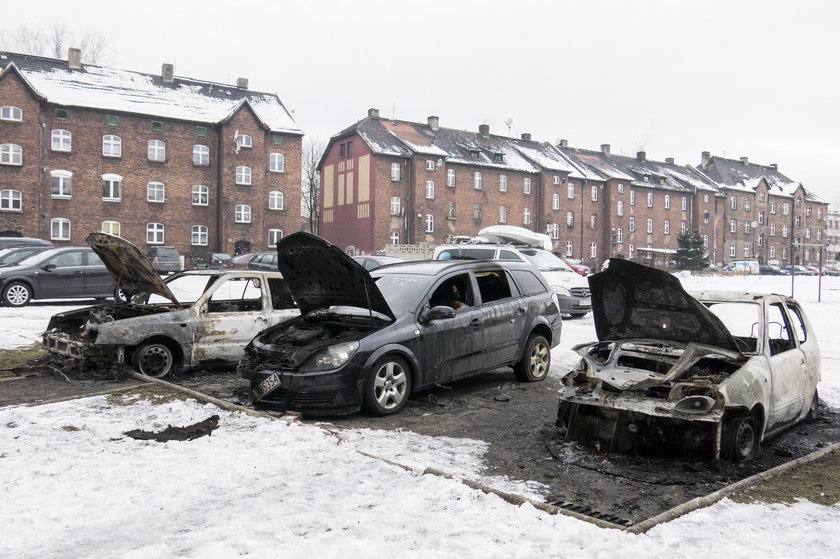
716 373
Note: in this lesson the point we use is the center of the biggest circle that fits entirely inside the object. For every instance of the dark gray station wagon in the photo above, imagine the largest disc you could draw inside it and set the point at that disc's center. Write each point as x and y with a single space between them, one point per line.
368 339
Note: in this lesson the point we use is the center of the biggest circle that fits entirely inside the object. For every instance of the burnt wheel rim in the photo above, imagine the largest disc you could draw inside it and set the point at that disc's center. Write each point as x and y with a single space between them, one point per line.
538 360
389 385
17 295
744 440
155 361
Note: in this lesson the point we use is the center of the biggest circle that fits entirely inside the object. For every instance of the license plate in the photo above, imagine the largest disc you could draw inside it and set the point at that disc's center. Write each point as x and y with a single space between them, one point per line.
271 382
585 302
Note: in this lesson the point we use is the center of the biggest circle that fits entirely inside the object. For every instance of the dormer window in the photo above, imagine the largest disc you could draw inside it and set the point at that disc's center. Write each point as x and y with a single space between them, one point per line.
474 153
244 141
499 157
647 178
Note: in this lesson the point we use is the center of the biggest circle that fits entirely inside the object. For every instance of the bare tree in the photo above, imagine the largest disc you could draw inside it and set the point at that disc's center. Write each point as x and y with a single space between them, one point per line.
313 149
54 42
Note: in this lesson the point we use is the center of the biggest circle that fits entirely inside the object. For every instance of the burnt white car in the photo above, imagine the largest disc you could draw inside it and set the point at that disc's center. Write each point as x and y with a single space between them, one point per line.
194 319
713 374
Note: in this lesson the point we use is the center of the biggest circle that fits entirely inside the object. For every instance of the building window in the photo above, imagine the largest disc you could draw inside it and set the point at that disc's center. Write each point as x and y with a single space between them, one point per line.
619 208
242 214
761 217
570 191
111 228
570 248
477 180
62 184
60 229
430 223
349 149
772 251
111 145
570 219
667 227
156 126
594 193
112 120
200 195
650 226
61 114
276 200
667 201
477 212
430 190
619 236
819 214
773 207
553 230
650 199
819 234
157 150
243 175
341 151
746 251
502 214
277 162
8 112
683 228
199 235
772 229
450 177
733 226
556 179
746 227
201 131
395 172
111 187
11 200
154 233
274 235
526 186
705 241
807 232
450 210
631 251
593 250
502 183
395 205
593 222
430 165
11 154
61 140
201 155
277 139
245 141
394 238
155 192
746 203
732 250
632 224
784 231
785 208
526 216
733 203
797 221
761 240
684 203
555 201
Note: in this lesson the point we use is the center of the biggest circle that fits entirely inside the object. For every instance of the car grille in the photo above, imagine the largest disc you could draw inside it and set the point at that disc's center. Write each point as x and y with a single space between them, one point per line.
277 396
580 291
313 398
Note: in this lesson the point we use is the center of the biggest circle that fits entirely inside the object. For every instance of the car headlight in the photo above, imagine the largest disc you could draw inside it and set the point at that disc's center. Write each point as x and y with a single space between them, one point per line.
695 404
560 290
334 356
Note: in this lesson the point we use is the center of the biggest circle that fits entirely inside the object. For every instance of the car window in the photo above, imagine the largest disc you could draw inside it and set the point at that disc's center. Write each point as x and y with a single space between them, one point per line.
237 295
798 323
779 332
94 260
402 292
508 255
544 260
281 298
741 320
455 292
187 289
67 259
472 254
528 282
492 285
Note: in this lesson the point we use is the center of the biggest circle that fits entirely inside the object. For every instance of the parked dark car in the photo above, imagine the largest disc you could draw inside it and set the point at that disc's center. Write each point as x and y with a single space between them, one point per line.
262 261
770 270
371 262
799 270
13 255
6 242
58 273
371 338
218 260
164 259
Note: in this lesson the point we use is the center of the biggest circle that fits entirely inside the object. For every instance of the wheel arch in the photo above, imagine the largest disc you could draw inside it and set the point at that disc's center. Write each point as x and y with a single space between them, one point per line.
177 350
393 349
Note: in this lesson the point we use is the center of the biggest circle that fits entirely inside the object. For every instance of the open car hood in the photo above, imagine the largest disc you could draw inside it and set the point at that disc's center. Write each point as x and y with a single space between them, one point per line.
630 300
130 269
321 275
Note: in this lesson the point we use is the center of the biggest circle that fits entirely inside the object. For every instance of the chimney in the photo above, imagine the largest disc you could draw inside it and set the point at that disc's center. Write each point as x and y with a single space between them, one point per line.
74 58
433 123
774 166
605 149
373 113
705 157
484 130
167 72
640 155
526 136
563 143
242 83
669 160
745 160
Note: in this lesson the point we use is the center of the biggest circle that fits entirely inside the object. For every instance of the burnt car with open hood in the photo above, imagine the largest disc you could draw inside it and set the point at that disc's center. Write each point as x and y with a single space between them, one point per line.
713 374
369 339
190 320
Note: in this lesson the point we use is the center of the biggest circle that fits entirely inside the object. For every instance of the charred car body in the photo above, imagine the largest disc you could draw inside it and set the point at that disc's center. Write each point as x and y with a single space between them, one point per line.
715 374
371 338
193 319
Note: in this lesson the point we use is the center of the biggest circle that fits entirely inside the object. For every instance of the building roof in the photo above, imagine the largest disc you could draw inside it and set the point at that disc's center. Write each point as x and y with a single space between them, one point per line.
740 174
125 91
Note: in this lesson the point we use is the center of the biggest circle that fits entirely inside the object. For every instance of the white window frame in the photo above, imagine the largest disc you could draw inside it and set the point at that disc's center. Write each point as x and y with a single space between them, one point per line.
202 193
243 175
570 191
570 248
394 237
733 203
667 201
63 231
502 183
396 205
570 219
155 233
450 181
632 224
430 165
430 223
666 227
11 200
65 183
650 199
155 192
244 141
395 172
111 145
593 249
784 231
10 112
747 203
632 197
477 180
649 228
276 200
594 195
242 213
684 205
556 179
526 216
593 221
619 207
450 209
733 225
156 150
430 190
61 140
201 154
274 235
11 154
114 183
555 201
276 162
526 185
772 251
111 227
503 214
772 229
631 251
732 250
198 235
619 236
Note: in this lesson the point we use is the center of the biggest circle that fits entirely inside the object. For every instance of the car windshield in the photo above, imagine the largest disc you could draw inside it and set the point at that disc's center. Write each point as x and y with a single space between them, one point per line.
186 288
167 253
544 261
37 258
402 292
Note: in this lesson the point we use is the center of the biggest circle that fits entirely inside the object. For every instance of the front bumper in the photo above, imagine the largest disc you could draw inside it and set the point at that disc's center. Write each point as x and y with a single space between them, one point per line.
571 304
61 344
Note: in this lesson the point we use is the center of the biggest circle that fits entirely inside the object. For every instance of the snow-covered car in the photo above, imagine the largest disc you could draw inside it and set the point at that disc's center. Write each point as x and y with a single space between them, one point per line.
371 338
193 319
712 374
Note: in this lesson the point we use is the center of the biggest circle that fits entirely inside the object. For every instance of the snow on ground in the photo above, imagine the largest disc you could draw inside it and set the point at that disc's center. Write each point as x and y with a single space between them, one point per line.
73 486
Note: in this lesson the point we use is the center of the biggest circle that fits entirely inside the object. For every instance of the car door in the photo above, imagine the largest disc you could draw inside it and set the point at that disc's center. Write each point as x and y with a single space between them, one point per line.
98 280
61 276
787 367
503 316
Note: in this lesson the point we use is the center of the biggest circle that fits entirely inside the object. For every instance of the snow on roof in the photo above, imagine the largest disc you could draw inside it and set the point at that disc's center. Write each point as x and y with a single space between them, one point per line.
546 158
112 89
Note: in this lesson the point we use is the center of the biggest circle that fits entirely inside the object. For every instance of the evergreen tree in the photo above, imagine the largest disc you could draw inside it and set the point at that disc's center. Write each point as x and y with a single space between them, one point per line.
691 255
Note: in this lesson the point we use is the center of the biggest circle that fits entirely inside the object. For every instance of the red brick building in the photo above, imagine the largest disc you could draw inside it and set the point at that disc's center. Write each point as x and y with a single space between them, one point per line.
156 159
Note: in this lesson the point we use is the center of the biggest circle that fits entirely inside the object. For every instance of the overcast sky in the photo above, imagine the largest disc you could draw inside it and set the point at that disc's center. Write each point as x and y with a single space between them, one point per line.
756 78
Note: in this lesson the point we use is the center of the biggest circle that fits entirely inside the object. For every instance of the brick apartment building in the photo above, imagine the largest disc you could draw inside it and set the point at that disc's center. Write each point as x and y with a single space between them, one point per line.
156 159
833 235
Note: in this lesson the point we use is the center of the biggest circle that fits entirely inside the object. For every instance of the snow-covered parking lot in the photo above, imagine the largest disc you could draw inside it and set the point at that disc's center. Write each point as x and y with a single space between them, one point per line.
74 486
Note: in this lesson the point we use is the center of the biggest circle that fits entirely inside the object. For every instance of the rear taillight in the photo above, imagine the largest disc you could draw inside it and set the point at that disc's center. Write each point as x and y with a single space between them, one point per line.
155 260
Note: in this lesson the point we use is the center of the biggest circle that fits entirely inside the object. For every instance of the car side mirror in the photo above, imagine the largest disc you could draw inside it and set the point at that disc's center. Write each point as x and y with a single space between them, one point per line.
49 267
440 312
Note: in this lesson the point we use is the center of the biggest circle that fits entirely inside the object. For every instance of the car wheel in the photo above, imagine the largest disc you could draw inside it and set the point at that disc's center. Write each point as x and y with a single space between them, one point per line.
154 360
388 386
577 314
535 360
742 442
814 408
121 295
17 294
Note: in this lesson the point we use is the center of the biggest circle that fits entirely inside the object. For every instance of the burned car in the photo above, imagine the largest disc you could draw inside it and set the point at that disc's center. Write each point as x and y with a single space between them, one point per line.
193 319
368 339
712 374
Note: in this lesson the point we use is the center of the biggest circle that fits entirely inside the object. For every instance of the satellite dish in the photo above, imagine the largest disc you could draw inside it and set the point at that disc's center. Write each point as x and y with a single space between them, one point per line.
754 224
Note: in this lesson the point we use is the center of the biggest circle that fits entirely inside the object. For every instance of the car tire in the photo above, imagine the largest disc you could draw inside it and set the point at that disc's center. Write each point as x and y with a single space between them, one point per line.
813 409
388 386
120 296
577 314
742 438
535 361
154 360
17 294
